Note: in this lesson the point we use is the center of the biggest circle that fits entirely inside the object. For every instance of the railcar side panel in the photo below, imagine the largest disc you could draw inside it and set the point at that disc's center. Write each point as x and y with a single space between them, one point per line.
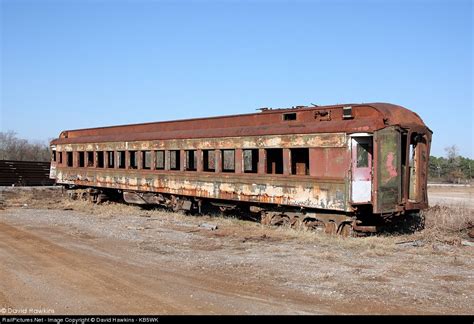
292 191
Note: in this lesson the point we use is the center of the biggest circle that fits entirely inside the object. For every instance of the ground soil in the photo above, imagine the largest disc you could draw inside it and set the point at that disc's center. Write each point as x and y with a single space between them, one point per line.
71 257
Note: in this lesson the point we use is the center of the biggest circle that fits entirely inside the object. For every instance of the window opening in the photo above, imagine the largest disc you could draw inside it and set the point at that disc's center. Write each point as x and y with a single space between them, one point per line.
69 159
160 160
174 160
250 161
300 161
133 159
90 158
121 159
209 160
363 155
191 160
100 159
110 159
274 161
81 159
228 160
146 160
290 116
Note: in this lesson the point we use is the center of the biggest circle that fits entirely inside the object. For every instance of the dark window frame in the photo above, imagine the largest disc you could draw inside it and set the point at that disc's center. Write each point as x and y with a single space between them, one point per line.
274 157
191 160
225 162
100 158
157 160
299 156
90 162
122 159
69 159
81 159
177 157
146 159
132 160
207 166
110 159
250 160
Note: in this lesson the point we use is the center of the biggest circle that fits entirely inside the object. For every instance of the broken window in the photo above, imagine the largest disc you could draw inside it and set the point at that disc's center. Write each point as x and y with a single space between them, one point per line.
300 161
90 159
110 159
250 161
54 155
121 159
81 159
362 155
274 161
289 116
60 158
209 160
146 160
191 160
174 157
100 159
133 159
228 160
160 160
69 159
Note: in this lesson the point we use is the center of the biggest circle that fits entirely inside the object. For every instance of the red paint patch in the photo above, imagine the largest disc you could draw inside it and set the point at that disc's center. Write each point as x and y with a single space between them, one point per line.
392 171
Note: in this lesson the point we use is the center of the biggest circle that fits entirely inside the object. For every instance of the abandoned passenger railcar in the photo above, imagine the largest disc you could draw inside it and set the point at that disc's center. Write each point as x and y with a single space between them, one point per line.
339 168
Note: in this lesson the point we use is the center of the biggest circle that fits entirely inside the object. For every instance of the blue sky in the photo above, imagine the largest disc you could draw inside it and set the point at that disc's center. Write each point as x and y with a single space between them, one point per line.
77 64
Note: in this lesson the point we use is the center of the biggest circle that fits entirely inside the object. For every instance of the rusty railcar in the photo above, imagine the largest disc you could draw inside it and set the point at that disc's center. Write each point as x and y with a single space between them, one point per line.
340 168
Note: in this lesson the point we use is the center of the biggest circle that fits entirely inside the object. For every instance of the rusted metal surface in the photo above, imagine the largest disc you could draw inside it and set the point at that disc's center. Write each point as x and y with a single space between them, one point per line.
298 191
308 157
25 173
388 176
366 118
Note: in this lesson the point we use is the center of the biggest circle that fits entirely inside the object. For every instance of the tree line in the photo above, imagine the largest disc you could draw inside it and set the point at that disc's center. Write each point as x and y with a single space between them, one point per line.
17 149
453 168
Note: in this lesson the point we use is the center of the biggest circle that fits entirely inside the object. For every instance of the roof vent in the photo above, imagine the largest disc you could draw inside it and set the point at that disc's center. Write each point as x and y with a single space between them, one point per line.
347 112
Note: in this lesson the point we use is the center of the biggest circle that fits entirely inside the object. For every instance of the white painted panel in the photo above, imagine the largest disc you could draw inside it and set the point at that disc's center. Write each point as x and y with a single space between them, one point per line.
361 191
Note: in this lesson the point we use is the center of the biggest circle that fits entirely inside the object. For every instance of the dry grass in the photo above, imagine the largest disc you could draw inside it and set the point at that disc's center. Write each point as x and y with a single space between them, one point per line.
447 224
442 224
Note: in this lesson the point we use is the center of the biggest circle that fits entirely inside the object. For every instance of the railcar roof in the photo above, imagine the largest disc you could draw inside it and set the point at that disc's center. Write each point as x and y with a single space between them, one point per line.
366 117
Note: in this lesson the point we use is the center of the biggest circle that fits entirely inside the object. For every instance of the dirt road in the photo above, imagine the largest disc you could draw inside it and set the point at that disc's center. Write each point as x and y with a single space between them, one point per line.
76 258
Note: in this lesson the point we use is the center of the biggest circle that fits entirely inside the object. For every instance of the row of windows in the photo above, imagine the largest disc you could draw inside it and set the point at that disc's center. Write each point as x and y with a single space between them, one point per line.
172 159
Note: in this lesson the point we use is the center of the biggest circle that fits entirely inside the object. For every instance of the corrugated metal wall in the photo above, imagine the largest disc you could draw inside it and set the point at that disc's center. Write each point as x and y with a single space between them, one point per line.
24 173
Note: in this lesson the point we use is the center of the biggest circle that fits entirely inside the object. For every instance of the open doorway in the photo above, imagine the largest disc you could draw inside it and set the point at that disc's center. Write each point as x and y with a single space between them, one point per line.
361 169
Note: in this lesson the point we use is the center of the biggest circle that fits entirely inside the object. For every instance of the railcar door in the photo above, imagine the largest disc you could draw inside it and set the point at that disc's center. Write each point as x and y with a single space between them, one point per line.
388 166
54 159
361 169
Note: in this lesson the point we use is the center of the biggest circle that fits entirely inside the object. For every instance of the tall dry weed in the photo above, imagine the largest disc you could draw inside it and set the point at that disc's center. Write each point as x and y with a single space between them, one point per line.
447 223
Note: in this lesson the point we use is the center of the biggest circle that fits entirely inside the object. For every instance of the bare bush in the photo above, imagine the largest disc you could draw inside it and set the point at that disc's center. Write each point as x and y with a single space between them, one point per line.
14 148
447 223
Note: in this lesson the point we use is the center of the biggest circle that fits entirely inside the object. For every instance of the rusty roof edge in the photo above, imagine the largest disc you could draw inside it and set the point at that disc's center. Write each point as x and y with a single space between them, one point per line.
386 110
270 111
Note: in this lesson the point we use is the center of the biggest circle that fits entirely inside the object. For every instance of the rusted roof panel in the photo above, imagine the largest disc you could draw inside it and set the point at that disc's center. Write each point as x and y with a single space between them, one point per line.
323 119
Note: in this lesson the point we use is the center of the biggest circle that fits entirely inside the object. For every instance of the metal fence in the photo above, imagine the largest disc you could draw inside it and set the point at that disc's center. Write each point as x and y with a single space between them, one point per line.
24 173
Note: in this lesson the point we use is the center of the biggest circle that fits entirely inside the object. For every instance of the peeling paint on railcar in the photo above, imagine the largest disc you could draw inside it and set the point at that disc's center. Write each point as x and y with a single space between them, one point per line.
270 141
296 192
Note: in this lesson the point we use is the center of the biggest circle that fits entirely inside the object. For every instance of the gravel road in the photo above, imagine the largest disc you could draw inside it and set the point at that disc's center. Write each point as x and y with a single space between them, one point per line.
76 258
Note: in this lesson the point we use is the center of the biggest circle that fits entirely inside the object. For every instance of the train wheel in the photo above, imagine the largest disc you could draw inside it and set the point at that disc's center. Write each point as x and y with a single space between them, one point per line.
345 229
296 223
280 220
330 228
265 218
